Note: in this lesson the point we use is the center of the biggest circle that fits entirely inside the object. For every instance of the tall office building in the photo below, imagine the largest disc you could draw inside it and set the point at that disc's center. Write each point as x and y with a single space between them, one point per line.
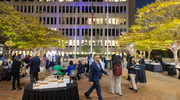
60 15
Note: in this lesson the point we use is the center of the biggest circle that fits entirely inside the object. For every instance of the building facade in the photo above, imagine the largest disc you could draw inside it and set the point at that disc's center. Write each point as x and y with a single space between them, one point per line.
60 15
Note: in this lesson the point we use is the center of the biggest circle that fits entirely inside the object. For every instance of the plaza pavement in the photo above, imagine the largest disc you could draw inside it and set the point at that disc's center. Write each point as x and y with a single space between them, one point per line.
159 86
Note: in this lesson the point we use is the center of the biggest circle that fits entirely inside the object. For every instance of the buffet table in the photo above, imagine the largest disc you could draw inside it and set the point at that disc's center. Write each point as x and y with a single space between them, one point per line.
141 74
70 92
154 67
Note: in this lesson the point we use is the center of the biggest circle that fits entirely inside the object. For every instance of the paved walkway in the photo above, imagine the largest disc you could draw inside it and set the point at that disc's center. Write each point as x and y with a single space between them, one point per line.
159 86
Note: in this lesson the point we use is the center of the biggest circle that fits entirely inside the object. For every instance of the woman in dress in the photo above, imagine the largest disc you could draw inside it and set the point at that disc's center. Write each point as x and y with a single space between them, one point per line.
44 61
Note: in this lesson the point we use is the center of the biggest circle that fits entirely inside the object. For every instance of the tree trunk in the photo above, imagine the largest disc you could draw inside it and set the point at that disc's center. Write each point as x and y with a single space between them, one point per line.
5 51
149 55
176 58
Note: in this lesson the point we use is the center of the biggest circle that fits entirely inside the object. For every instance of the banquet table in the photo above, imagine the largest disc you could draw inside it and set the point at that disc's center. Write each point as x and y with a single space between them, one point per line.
141 74
62 93
170 68
154 67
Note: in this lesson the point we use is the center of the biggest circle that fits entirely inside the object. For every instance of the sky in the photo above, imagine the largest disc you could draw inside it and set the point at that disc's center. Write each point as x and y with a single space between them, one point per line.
141 3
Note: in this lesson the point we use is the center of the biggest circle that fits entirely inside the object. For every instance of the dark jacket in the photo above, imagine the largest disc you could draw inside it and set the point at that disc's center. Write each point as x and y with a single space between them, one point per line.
34 63
131 70
58 58
95 73
141 61
15 67
81 69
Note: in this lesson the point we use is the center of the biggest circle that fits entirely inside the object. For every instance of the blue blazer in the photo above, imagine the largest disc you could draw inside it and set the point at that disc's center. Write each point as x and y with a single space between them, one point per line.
95 73
34 63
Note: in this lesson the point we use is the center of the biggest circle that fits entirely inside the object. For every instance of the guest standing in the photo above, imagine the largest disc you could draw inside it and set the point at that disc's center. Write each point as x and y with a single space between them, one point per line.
34 67
13 56
27 59
44 61
15 72
115 80
58 59
70 67
132 73
95 73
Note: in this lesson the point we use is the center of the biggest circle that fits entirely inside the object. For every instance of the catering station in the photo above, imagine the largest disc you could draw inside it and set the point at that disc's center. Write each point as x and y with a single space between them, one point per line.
52 88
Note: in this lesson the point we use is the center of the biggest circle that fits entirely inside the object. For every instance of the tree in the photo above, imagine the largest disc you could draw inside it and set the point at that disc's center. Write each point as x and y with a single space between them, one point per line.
86 44
97 44
161 21
26 32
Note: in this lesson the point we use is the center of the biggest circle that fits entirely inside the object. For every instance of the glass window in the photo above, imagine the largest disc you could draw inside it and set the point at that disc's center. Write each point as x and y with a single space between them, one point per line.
52 9
63 9
113 21
117 9
54 20
67 9
67 20
29 9
40 9
101 32
105 32
86 32
32 9
90 9
121 9
113 32
44 9
25 9
82 20
84 0
71 20
55 9
51 20
89 21
48 7
70 42
70 33
94 9
109 9
121 21
113 9
82 32
78 20
101 21
109 21
63 20
117 21
59 20
71 9
77 32
37 9
59 9
47 20
109 31
82 9
101 9
113 42
124 9
44 20
124 20
86 20
21 8
97 21
98 9
61 0
86 9
73 32
106 9
67 32
121 31
117 32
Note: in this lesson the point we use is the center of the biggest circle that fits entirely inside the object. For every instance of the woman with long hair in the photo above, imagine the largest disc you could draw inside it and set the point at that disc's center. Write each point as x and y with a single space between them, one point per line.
115 80
70 67
132 73
44 61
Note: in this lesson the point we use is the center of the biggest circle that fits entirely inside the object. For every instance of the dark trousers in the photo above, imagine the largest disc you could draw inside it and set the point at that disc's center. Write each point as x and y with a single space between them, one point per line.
32 76
15 77
96 86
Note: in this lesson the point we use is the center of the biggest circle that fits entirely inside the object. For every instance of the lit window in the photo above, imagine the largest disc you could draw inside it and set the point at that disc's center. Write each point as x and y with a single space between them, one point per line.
89 21
61 0
124 20
117 21
69 0
77 42
70 42
121 21
109 21
123 0
113 42
101 21
73 42
82 42
113 21
97 20
116 0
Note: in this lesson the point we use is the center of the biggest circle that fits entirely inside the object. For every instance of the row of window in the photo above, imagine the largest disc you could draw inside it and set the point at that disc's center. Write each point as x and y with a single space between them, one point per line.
84 20
87 32
70 9
110 42
70 0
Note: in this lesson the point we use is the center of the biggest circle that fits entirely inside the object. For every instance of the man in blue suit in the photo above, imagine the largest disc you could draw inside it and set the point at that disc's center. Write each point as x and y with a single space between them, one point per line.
34 67
95 73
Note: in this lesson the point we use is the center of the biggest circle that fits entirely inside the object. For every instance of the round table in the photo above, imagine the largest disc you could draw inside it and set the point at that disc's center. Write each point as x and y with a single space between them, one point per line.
62 93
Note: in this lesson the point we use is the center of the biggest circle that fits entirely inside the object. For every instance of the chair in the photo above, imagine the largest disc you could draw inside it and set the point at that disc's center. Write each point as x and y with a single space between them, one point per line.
54 72
83 74
74 74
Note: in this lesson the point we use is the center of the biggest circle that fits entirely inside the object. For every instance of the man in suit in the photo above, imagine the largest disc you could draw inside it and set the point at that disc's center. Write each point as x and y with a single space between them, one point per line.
34 64
95 73
58 59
